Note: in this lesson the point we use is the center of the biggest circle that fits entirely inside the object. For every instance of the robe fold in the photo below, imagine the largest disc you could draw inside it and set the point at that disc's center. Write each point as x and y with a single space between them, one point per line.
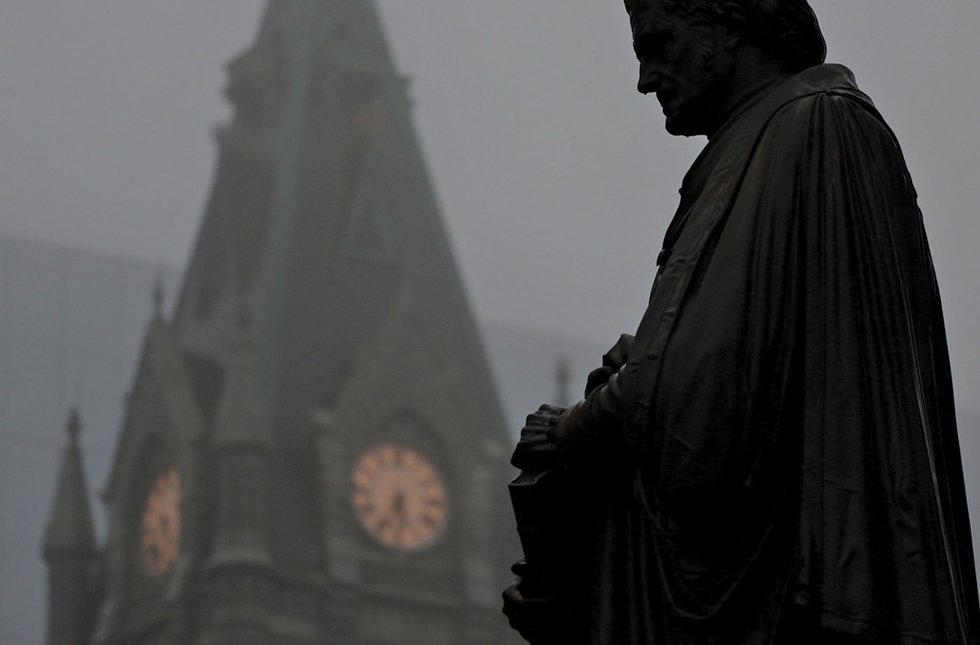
787 458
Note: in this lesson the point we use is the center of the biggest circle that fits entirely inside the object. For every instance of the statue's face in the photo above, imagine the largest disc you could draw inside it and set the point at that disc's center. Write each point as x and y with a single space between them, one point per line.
680 63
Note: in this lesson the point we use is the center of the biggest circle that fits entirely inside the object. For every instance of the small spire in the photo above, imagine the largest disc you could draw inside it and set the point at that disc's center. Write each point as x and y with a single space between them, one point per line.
159 296
70 529
74 426
562 379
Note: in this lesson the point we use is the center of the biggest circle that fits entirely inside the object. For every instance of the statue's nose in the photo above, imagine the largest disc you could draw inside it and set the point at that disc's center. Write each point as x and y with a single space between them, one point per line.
649 80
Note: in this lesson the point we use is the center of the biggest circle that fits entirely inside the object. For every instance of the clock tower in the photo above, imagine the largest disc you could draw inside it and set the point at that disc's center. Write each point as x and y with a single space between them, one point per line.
313 449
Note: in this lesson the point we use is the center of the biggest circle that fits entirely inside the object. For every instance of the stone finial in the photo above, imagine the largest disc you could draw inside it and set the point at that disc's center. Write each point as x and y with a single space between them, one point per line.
74 425
159 297
562 379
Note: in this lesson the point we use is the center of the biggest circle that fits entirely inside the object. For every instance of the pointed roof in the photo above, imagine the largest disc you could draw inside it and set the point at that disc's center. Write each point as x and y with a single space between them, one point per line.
311 58
322 216
323 17
322 211
70 528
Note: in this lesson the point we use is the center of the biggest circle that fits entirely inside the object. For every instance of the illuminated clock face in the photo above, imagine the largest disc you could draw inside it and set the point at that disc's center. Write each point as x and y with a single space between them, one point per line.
399 498
160 529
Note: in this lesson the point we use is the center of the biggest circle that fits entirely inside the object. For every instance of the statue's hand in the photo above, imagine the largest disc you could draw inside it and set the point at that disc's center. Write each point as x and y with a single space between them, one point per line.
536 448
612 362
534 617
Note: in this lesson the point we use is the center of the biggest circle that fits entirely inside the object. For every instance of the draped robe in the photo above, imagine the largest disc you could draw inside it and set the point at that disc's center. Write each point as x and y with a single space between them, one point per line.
780 453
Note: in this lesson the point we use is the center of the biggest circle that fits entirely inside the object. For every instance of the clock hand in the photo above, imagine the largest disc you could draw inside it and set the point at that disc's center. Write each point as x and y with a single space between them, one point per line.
398 509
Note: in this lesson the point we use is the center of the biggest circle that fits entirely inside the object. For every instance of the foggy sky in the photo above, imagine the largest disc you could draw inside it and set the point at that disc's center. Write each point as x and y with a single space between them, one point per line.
555 177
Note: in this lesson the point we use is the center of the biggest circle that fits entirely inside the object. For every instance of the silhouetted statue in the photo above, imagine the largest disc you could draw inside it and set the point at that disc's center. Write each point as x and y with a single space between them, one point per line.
774 457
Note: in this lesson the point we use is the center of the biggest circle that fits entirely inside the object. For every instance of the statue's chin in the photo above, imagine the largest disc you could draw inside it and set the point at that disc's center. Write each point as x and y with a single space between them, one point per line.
680 124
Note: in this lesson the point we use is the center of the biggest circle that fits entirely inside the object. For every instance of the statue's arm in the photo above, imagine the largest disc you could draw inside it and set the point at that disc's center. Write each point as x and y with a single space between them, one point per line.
612 362
553 506
579 426
588 425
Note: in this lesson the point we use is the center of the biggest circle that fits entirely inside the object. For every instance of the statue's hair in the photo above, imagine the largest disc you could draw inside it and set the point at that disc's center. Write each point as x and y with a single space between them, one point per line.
786 30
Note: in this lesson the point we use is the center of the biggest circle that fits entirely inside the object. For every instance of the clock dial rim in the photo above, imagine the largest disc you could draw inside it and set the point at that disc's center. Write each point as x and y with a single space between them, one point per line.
399 497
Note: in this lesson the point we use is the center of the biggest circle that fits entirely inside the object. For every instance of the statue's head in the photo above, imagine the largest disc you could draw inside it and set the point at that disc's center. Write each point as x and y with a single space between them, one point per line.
692 51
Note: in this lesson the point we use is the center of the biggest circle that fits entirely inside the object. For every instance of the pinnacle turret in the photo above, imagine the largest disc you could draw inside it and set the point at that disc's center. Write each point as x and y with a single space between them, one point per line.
70 550
70 529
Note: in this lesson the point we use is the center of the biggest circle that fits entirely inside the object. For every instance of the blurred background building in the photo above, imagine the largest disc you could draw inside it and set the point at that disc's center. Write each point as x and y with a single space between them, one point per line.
71 316
311 448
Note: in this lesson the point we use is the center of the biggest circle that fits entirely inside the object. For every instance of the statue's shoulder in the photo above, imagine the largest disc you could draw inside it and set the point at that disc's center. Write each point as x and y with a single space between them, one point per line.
827 90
